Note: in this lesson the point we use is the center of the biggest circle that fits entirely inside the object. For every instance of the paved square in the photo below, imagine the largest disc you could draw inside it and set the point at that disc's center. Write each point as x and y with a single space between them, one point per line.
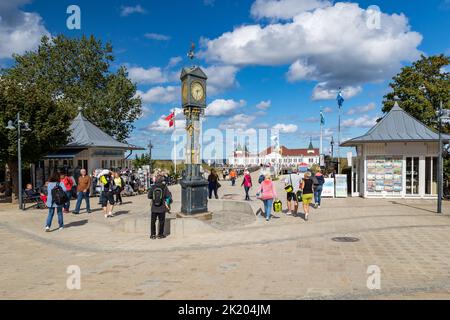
286 258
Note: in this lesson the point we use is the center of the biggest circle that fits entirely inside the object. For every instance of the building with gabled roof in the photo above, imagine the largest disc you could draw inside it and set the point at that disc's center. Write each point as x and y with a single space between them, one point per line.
284 157
398 157
89 148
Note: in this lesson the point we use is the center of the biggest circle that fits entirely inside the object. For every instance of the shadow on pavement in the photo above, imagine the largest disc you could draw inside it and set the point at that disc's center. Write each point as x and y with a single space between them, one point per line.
414 207
119 213
76 224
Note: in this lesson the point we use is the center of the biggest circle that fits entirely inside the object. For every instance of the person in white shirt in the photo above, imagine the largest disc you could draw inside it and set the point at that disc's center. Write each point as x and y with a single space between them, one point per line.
293 180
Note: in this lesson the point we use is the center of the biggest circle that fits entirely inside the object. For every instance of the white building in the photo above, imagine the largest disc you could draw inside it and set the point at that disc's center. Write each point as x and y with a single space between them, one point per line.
397 158
284 158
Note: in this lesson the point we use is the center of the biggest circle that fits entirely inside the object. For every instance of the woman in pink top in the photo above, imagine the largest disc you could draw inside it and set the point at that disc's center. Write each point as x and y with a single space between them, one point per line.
267 194
247 183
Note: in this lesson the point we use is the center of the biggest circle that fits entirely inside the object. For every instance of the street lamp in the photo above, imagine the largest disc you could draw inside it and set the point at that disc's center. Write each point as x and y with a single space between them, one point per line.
440 114
20 126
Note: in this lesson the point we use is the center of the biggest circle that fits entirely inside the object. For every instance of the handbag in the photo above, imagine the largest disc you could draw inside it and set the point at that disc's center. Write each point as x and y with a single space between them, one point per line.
277 206
289 188
299 196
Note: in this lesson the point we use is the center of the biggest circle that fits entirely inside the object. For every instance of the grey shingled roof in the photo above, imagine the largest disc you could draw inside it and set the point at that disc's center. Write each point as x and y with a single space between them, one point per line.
397 126
86 134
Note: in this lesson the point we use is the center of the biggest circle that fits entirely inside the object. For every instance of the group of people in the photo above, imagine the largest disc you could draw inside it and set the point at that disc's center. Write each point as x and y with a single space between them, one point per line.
57 193
305 188
59 190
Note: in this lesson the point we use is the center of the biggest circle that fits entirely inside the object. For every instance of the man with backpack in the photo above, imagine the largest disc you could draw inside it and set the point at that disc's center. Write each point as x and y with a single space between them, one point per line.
161 197
56 198
318 181
107 196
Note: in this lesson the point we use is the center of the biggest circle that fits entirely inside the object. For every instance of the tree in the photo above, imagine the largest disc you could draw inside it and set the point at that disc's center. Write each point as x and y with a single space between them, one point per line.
49 85
48 120
143 160
421 87
76 72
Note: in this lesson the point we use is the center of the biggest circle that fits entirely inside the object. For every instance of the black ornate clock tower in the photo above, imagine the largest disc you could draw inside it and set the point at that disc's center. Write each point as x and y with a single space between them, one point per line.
194 192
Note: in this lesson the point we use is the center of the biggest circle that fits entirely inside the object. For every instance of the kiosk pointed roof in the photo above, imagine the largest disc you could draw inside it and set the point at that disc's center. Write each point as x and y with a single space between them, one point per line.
86 134
397 126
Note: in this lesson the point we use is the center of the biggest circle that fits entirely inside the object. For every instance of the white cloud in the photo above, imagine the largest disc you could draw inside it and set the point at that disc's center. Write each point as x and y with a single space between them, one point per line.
362 109
125 11
146 111
161 95
332 45
146 76
321 92
361 122
157 36
174 61
284 9
300 70
220 78
327 110
264 105
221 107
239 122
19 31
285 128
161 125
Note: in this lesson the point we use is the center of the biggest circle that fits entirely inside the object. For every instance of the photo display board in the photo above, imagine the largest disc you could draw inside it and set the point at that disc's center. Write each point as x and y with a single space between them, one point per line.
384 174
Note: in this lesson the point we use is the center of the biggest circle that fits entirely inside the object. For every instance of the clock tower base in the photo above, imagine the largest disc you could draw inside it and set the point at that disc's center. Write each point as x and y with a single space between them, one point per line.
194 195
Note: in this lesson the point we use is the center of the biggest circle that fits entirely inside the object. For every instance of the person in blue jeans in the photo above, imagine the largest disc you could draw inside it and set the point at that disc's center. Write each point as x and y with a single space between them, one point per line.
52 183
267 195
268 208
319 181
83 189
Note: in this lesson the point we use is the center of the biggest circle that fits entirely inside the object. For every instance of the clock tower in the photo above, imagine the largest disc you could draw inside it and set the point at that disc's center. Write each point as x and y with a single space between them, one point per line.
194 199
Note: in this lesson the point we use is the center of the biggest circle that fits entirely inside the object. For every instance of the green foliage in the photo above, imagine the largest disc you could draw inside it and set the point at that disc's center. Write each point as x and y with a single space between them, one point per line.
421 88
48 120
76 74
427 73
143 160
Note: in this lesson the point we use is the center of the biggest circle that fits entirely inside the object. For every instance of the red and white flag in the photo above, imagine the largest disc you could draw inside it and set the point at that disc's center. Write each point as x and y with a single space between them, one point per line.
171 119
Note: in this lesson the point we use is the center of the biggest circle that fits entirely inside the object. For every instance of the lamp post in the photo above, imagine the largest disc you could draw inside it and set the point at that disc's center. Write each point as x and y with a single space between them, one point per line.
332 149
150 169
441 114
19 125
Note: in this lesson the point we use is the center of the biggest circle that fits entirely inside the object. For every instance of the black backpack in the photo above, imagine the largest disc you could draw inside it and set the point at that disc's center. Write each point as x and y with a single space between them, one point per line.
158 196
59 197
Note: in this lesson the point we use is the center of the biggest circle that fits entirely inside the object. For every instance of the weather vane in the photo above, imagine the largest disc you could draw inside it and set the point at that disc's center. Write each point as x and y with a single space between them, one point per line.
191 53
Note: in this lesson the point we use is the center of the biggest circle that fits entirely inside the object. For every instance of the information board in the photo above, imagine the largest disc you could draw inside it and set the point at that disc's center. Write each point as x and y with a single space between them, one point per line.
328 188
341 186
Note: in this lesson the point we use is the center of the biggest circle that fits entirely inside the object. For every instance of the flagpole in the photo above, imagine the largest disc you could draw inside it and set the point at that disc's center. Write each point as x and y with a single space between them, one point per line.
340 101
175 144
321 133
339 141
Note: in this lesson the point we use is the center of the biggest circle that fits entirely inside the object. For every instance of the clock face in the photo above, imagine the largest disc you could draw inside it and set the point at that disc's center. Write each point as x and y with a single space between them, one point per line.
197 91
184 92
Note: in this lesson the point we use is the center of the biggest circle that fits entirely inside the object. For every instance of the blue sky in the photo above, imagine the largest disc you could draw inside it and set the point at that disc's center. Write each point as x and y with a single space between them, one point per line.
270 63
